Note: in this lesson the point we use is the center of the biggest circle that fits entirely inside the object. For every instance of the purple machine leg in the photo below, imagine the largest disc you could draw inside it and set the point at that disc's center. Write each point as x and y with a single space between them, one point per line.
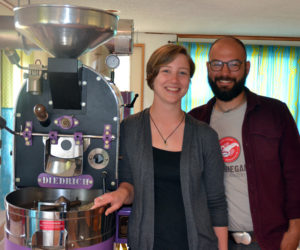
122 224
106 245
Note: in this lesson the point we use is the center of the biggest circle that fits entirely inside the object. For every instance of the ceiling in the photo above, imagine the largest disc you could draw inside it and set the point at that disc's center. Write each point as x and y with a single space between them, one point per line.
274 18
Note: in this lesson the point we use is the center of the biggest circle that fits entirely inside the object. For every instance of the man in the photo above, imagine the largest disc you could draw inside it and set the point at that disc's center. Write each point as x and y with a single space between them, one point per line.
261 150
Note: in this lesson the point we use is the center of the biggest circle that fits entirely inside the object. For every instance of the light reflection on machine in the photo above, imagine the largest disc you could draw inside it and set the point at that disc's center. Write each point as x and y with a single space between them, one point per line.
66 131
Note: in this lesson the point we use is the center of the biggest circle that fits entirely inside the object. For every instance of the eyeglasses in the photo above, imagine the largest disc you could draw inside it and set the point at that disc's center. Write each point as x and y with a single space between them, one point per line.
233 65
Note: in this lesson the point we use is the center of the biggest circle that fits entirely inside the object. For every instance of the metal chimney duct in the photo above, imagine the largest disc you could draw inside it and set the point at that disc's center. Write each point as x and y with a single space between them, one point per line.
10 38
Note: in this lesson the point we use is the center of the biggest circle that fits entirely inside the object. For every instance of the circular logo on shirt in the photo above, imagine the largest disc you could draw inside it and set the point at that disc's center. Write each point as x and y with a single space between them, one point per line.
230 149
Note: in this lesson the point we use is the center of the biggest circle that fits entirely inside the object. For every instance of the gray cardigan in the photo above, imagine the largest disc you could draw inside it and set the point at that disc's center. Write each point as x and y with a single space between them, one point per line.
201 174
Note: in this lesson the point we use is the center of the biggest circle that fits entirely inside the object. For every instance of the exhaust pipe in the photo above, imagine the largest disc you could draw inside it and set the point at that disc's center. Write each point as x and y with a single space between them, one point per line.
11 39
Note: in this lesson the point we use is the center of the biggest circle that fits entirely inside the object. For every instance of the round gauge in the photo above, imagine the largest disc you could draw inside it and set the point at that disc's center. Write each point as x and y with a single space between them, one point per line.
112 61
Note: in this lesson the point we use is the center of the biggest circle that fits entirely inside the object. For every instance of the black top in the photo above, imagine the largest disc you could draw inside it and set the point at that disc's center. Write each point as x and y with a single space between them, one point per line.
170 231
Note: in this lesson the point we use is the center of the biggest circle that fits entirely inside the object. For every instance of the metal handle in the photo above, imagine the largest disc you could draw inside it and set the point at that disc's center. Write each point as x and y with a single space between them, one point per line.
43 237
51 205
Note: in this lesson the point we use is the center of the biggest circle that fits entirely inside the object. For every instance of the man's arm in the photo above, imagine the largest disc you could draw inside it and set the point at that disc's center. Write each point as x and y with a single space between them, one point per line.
290 148
291 238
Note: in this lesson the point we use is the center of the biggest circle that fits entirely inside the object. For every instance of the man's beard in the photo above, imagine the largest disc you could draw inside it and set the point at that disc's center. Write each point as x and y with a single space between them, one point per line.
227 95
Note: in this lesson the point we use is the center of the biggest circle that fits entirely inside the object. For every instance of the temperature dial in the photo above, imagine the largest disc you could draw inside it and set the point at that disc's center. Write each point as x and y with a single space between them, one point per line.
112 61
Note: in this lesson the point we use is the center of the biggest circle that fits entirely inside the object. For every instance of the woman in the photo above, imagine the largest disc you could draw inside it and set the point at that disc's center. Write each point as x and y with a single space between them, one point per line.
171 168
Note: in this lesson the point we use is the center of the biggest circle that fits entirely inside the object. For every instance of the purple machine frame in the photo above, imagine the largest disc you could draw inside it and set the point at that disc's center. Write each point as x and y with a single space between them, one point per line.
106 245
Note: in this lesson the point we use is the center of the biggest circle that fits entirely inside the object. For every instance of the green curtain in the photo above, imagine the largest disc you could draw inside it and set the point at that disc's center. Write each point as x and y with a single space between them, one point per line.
274 72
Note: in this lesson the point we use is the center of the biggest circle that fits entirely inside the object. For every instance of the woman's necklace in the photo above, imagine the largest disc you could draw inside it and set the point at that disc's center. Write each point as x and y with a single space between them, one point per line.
165 140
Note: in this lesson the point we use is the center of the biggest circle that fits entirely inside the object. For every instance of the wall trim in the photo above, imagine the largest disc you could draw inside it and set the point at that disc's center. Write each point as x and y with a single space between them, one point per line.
260 38
142 46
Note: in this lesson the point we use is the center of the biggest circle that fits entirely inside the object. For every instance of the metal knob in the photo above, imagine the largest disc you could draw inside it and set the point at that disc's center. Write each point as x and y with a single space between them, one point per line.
41 114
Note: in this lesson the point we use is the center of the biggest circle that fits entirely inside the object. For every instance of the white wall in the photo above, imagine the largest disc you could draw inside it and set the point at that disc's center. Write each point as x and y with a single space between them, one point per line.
152 42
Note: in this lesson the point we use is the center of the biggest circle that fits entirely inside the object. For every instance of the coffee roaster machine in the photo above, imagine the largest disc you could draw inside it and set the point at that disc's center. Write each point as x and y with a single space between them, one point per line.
66 135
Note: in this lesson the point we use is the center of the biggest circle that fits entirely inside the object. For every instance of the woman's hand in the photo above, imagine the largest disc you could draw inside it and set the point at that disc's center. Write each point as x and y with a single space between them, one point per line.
116 199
